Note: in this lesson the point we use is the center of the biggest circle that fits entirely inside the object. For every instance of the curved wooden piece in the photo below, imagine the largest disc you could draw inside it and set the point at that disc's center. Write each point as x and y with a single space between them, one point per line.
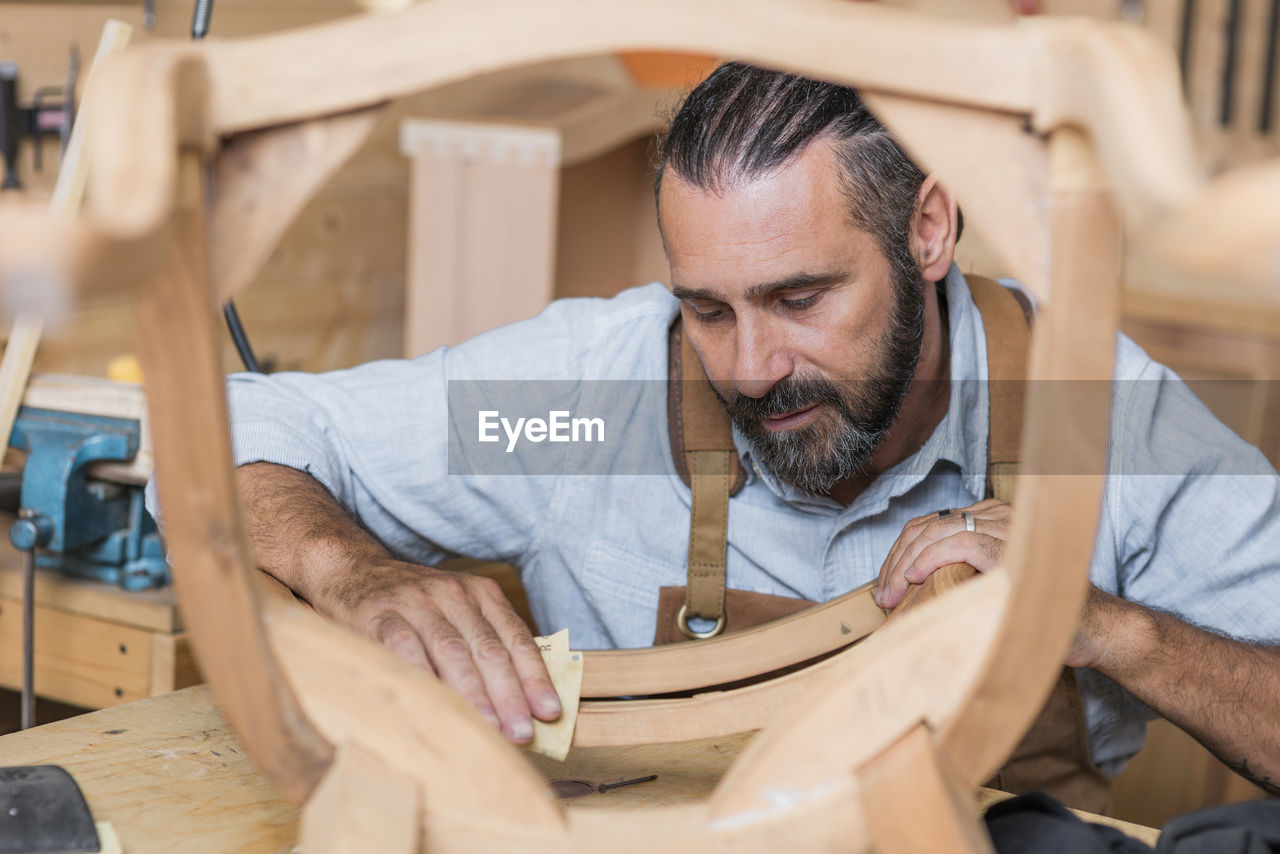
212 559
50 264
714 714
742 655
400 715
137 138
1044 72
954 143
262 182
915 668
964 663
1123 89
1228 233
942 581
1064 451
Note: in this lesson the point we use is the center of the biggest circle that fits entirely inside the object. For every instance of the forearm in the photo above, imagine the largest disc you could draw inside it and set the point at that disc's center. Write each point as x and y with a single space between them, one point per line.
1224 692
460 627
301 534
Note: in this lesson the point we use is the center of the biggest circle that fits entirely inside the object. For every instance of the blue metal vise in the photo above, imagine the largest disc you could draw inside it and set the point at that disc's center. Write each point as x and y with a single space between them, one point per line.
90 528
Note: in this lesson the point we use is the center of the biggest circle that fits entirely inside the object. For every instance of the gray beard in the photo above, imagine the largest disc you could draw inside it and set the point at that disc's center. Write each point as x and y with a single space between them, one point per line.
858 414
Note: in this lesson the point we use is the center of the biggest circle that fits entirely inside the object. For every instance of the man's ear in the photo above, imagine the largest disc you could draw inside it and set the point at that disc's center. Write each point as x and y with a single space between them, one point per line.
933 230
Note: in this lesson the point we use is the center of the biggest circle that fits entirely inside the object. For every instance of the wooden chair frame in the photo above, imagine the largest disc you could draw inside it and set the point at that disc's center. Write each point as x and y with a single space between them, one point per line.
1055 133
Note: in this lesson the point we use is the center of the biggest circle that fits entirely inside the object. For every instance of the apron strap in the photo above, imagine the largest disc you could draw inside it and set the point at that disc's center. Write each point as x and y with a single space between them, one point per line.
702 446
1006 318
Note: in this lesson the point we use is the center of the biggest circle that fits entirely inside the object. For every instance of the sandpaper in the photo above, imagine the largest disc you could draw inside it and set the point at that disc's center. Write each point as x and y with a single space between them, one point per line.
565 667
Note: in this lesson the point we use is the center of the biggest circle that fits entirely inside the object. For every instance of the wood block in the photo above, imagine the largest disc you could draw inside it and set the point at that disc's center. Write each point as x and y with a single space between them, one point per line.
916 802
173 664
78 660
361 805
483 224
152 610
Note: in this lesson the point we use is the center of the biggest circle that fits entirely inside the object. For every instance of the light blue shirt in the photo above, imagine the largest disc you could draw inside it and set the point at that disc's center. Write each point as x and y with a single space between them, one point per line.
1188 522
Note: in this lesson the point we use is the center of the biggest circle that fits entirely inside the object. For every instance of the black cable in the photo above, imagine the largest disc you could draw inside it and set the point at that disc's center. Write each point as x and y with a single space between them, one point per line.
1269 70
1184 43
1227 88
240 339
199 29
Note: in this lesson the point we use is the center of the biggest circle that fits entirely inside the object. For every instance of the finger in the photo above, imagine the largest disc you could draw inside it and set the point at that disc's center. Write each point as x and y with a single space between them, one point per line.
467 598
910 532
991 508
394 632
501 681
486 667
941 529
450 655
893 579
980 551
531 669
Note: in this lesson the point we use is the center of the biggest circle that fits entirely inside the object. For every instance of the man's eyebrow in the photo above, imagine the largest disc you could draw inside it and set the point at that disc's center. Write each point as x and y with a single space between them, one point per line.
791 283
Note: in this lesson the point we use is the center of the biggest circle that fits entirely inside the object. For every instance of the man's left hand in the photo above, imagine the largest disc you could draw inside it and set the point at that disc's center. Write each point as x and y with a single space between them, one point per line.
928 543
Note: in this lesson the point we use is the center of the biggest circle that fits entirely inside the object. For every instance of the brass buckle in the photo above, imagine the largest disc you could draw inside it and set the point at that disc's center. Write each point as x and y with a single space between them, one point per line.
682 622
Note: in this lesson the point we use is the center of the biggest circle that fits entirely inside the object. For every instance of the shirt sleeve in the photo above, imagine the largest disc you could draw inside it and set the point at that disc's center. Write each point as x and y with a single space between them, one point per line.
1192 506
377 437
1189 511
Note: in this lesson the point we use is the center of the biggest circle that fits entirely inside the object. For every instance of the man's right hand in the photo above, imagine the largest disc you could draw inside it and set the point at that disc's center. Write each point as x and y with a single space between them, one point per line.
460 627
455 625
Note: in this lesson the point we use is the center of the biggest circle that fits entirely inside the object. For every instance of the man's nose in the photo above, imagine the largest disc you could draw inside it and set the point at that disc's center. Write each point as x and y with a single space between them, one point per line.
760 361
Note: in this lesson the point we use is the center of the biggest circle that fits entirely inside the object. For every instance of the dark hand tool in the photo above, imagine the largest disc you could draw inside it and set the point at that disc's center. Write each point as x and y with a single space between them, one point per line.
565 789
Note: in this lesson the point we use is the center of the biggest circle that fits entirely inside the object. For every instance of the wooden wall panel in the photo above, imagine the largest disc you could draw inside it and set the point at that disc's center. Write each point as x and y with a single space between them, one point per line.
607 237
331 295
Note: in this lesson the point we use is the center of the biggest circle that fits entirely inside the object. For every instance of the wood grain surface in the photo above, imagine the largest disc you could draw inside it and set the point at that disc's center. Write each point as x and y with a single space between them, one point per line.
170 776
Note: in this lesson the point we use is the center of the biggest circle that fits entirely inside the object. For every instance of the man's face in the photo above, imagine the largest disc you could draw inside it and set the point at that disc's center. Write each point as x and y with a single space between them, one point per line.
804 330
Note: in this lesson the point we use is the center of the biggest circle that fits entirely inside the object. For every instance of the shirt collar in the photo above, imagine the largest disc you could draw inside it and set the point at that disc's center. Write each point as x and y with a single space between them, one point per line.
960 438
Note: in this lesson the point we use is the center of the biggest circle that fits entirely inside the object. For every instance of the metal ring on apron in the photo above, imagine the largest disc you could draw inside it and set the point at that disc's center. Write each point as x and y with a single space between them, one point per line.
682 622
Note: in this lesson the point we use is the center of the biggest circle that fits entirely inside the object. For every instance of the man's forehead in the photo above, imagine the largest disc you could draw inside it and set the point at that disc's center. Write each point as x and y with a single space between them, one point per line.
770 233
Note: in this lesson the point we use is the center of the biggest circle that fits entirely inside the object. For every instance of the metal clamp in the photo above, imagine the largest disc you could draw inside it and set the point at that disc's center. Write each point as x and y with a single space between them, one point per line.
682 622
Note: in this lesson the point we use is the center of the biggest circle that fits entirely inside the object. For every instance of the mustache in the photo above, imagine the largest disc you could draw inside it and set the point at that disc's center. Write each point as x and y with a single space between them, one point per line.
787 395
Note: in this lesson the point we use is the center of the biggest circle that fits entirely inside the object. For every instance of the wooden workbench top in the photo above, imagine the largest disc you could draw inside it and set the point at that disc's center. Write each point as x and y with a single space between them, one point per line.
167 773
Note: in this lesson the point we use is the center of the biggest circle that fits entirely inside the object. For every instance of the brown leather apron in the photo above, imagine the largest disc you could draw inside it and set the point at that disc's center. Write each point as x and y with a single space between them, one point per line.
1054 754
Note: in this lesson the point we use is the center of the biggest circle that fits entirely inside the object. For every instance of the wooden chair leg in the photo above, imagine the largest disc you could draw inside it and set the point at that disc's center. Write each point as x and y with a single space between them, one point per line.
361 805
915 800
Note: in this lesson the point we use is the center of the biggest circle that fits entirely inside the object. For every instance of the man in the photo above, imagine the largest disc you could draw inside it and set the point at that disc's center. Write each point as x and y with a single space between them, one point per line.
811 263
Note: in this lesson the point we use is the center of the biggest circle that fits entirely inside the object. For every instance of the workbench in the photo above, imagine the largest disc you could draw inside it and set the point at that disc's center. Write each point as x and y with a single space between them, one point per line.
96 645
168 775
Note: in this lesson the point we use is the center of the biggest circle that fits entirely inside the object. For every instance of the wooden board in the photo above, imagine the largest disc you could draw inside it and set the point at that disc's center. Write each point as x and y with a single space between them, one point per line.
173 664
93 639
170 776
151 610
78 660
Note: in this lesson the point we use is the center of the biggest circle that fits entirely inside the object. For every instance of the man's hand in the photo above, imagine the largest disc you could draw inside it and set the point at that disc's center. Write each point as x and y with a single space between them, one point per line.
458 626
1224 692
928 543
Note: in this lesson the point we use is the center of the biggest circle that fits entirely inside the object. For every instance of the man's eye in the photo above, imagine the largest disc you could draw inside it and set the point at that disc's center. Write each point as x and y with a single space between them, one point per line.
708 314
800 303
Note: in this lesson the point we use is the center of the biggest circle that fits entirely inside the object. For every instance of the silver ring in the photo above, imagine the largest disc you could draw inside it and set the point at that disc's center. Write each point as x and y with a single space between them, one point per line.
942 514
968 521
